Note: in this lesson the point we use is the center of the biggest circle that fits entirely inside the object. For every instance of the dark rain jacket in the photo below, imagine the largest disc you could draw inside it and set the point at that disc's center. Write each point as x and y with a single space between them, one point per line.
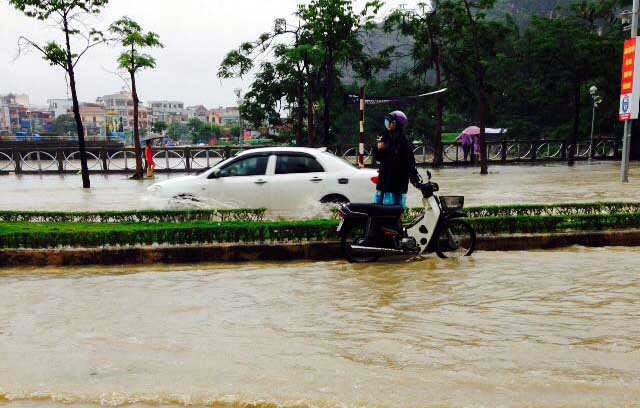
397 164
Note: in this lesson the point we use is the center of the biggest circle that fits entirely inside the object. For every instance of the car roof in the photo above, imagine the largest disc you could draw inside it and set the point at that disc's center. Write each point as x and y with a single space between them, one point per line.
308 150
330 159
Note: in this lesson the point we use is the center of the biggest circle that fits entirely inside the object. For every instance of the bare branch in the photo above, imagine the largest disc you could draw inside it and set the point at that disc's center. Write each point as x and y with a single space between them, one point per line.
24 44
125 79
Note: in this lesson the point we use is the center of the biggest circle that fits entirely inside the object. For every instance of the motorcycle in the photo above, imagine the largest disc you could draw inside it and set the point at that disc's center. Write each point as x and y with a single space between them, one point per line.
370 231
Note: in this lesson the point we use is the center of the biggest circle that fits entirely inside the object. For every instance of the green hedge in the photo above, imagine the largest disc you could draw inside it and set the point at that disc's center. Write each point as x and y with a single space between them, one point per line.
32 235
243 215
145 216
553 209
553 223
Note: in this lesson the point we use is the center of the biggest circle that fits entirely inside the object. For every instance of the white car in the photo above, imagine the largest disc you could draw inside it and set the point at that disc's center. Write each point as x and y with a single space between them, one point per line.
279 179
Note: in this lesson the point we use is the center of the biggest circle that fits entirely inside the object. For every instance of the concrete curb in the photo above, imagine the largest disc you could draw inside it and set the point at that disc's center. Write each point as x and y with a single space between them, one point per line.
311 251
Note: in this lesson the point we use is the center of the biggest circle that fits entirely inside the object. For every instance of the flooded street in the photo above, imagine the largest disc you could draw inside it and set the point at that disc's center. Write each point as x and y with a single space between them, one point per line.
504 185
520 329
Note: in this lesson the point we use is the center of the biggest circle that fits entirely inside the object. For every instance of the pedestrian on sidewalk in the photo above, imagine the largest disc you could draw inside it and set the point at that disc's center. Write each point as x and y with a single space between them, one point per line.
466 140
148 154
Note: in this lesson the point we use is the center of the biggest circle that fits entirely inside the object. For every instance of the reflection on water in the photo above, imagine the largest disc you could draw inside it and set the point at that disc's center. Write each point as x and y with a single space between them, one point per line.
505 185
534 329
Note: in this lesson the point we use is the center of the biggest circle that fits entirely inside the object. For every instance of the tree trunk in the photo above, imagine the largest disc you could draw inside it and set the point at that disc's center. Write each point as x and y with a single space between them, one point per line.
572 139
435 50
437 137
481 95
300 115
326 116
481 141
86 182
328 94
310 122
136 128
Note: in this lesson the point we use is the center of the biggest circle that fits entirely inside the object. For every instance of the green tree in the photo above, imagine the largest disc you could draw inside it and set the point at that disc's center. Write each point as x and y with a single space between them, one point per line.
67 16
305 71
159 127
65 124
570 53
177 131
236 132
133 39
290 78
472 44
423 25
333 31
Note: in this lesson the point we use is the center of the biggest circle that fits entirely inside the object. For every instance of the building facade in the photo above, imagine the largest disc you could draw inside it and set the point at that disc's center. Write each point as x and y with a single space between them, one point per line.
14 99
121 105
230 115
94 119
60 106
166 111
198 112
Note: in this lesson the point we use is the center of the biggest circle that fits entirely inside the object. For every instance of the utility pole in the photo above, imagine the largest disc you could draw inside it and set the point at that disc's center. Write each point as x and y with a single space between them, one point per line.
626 140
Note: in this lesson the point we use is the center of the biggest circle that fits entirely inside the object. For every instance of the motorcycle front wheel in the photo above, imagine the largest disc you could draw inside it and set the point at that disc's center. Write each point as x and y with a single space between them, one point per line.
355 235
457 240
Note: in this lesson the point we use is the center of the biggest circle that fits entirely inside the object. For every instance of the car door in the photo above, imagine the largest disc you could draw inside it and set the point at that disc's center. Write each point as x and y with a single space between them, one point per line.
297 182
242 183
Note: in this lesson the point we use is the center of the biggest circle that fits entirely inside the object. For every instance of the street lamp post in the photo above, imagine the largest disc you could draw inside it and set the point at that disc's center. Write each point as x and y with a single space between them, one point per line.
626 141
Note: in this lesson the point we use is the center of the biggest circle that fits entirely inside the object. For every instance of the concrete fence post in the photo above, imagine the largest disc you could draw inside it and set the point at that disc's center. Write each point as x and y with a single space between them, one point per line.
503 151
103 155
17 161
60 157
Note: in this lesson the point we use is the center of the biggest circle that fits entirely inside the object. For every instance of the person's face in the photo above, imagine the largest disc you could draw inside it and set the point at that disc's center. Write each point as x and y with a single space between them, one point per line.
389 125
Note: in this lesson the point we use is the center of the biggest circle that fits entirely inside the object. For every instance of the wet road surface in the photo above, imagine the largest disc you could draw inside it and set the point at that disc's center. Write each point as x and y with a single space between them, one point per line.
518 329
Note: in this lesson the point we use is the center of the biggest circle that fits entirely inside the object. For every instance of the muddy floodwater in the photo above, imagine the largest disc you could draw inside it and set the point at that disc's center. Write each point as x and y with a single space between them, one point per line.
505 185
520 329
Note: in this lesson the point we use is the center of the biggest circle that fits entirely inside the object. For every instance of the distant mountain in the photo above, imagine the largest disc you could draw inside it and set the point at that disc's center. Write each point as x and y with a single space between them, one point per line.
522 10
378 40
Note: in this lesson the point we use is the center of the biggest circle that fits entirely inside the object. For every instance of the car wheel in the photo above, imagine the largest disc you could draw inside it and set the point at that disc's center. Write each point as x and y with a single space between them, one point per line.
334 199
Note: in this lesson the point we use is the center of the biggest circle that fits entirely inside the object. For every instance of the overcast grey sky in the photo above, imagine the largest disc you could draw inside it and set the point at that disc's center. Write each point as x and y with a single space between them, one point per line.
196 34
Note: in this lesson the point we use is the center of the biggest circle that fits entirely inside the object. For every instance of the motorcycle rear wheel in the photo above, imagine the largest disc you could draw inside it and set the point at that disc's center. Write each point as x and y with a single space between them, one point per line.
348 238
456 240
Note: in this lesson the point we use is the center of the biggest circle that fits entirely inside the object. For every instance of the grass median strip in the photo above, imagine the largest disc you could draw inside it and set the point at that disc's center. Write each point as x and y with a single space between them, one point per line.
33 235
92 235
259 215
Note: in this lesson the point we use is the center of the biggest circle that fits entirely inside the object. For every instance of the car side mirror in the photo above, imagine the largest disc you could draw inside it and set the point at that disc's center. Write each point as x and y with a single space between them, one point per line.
215 174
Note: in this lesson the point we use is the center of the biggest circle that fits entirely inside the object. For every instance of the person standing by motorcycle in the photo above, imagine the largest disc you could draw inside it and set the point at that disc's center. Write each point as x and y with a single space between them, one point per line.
397 162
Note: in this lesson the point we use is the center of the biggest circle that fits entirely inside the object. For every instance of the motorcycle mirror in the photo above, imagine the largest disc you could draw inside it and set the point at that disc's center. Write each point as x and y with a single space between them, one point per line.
429 175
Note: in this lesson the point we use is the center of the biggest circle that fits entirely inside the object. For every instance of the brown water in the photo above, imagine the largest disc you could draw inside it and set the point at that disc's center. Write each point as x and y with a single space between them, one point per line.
505 185
521 329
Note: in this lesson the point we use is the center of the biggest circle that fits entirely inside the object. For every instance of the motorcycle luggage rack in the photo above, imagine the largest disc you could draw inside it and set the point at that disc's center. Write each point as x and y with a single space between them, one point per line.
452 203
345 210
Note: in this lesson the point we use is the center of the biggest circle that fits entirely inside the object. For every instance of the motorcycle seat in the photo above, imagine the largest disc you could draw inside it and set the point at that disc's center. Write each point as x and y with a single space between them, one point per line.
377 210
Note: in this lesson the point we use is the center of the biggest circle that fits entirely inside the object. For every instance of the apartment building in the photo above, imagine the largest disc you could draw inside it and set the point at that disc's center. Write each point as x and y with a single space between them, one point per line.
60 106
198 112
94 119
121 105
230 115
167 111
